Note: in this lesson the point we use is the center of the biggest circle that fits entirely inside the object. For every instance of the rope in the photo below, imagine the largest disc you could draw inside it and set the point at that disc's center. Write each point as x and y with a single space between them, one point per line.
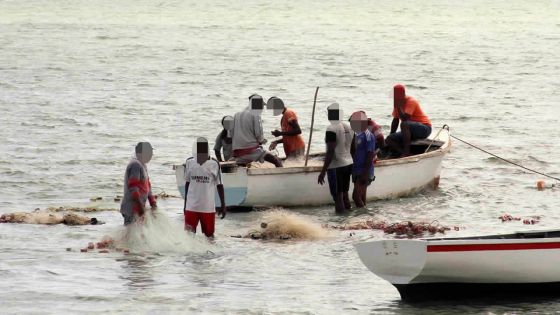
505 160
436 137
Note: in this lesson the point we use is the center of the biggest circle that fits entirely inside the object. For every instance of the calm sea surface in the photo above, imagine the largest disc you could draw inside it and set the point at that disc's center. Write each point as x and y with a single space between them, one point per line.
82 81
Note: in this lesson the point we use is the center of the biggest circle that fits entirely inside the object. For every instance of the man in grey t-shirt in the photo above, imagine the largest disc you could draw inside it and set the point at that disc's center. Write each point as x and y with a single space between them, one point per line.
137 186
248 135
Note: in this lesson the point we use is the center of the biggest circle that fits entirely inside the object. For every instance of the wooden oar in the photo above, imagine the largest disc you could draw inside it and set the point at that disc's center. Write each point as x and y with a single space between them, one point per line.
312 122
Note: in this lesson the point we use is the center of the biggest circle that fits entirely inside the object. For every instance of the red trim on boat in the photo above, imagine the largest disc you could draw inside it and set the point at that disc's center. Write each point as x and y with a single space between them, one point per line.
483 247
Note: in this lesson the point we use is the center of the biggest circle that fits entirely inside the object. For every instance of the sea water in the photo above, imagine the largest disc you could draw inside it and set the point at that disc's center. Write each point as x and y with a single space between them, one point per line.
81 82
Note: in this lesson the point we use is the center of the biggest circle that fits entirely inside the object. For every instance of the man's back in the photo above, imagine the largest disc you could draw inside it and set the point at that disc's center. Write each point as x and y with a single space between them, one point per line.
344 134
247 130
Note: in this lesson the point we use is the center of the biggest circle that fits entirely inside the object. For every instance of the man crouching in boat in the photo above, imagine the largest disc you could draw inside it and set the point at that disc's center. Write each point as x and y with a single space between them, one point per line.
137 186
415 125
248 135
294 146
338 160
202 177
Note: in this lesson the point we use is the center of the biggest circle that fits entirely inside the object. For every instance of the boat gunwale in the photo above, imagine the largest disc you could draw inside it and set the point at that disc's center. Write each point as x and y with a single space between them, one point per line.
382 163
509 238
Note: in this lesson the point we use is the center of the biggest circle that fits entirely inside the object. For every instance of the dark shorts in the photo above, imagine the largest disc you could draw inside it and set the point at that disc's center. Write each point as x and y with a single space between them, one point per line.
370 180
418 131
339 179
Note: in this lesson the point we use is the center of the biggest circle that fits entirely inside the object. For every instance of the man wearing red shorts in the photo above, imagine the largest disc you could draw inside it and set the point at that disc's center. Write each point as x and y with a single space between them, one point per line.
202 177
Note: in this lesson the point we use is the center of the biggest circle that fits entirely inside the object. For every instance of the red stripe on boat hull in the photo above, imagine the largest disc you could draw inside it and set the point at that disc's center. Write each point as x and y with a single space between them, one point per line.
486 247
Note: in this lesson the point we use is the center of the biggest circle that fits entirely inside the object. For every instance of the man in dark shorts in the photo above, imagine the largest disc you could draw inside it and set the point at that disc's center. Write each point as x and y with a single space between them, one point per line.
338 160
415 125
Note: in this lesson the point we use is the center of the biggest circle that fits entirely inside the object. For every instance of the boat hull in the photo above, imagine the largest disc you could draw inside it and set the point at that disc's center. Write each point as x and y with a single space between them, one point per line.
297 186
421 292
461 268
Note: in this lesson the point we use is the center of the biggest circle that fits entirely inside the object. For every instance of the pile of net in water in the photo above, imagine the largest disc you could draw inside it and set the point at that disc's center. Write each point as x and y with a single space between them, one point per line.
408 228
78 209
154 234
534 219
279 224
48 218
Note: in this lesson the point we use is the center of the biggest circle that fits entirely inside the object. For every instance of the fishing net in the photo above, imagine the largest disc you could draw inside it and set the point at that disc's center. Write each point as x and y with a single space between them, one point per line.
279 224
154 234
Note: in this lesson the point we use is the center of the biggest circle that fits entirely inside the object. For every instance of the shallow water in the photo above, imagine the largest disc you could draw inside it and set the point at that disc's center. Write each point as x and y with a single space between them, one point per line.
81 82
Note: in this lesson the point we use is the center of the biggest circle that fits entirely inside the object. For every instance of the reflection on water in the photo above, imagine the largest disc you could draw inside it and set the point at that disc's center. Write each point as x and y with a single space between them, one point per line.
137 272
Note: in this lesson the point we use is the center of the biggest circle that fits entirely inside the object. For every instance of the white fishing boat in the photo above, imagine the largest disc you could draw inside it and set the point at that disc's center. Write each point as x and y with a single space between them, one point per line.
297 185
506 265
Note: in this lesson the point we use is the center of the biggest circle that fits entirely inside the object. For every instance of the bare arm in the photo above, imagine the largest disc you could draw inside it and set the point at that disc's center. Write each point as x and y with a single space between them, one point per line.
221 194
328 159
296 130
218 155
394 125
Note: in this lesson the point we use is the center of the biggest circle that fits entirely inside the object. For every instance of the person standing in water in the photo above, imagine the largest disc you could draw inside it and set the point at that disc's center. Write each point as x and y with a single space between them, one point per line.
294 146
338 160
137 186
202 178
415 125
224 140
248 135
363 152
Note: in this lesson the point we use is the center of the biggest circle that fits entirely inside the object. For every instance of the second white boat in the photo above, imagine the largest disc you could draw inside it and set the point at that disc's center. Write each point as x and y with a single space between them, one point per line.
505 265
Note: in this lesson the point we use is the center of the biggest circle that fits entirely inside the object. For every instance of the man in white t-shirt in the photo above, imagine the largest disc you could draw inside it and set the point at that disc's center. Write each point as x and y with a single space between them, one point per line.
338 160
202 177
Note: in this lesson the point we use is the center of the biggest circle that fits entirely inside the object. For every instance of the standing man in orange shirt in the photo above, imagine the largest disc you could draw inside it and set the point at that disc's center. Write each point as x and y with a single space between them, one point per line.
294 146
415 125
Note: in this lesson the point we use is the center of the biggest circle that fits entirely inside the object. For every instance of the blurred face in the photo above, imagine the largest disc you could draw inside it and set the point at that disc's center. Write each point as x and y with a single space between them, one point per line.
334 113
359 122
256 104
145 154
228 123
276 105
202 151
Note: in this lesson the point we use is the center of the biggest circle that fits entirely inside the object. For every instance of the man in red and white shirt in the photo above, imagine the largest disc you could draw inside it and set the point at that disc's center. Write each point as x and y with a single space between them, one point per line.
202 178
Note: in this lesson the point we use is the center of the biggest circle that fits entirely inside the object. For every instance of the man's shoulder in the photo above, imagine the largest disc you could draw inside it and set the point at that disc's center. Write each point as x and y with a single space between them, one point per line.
369 135
332 127
411 101
134 164
190 161
290 114
214 162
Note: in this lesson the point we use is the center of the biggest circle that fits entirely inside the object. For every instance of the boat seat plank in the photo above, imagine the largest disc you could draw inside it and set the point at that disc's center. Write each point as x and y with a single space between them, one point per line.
427 142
